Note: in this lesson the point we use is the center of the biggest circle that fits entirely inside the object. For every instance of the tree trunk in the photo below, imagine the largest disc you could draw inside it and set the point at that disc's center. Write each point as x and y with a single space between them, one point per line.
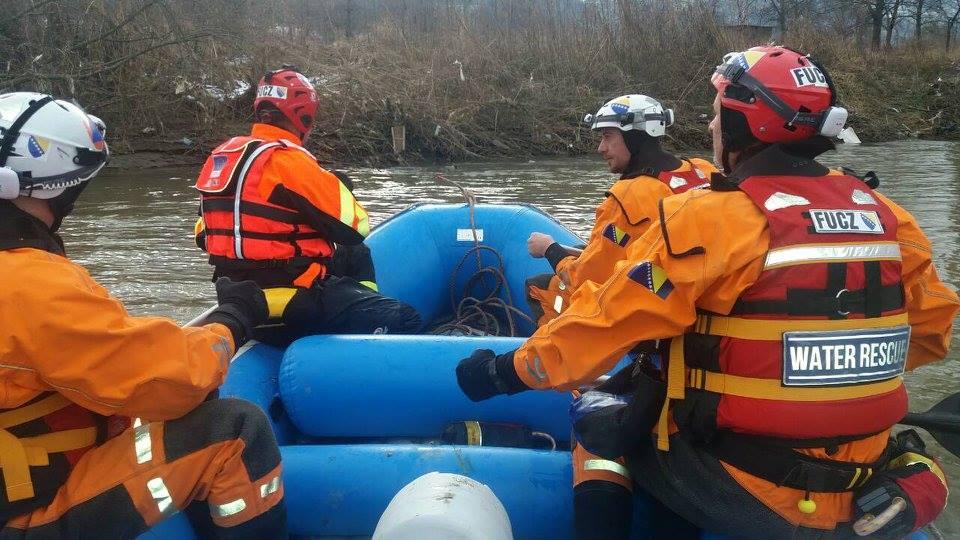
876 11
918 20
892 22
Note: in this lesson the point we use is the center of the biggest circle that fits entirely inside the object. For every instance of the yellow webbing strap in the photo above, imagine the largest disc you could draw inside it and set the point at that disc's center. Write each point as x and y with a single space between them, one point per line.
749 387
773 330
18 455
37 409
277 299
675 390
370 285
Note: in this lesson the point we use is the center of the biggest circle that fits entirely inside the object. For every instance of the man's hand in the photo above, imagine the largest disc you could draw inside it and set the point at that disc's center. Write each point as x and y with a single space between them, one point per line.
538 243
484 375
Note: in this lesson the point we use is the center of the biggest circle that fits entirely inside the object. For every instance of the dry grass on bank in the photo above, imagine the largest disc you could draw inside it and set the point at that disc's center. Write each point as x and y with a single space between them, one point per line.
158 75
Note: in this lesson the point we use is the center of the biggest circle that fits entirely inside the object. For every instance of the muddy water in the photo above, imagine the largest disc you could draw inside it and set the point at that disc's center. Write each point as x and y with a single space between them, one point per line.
133 229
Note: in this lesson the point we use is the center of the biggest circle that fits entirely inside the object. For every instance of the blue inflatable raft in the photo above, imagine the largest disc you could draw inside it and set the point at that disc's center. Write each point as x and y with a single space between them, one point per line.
359 417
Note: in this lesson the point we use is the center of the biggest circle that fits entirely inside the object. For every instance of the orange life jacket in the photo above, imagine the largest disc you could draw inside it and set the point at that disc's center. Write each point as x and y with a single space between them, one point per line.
244 230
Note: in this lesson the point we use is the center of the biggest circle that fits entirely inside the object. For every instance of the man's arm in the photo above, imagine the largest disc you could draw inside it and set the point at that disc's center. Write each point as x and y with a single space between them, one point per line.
931 305
293 180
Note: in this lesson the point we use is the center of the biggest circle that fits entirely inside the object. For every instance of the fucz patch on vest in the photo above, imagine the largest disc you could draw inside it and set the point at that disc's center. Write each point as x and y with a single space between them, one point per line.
652 277
616 235
846 221
844 357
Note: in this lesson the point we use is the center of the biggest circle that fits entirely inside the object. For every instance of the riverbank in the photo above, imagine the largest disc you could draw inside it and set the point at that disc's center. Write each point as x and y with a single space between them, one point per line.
891 96
438 84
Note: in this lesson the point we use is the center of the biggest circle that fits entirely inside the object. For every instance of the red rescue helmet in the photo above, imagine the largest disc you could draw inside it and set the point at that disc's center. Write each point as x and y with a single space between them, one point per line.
292 93
780 94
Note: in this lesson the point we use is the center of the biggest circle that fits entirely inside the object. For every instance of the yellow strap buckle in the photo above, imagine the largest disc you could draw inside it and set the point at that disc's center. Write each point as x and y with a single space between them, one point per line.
277 300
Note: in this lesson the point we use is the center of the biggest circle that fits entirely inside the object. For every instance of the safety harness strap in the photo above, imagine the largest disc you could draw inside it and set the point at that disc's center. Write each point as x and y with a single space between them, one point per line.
17 454
773 330
675 390
827 303
38 409
786 467
749 387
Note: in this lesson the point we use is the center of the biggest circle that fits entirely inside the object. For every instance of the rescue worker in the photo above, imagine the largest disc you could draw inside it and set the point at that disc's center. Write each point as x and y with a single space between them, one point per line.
76 368
271 214
791 295
631 128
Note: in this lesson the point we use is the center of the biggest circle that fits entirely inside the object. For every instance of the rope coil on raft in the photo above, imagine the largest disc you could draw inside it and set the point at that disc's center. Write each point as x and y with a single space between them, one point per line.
487 316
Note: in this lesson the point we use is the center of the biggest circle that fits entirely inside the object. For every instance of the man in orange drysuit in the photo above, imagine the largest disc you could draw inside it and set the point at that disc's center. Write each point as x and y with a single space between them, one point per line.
76 368
793 300
631 127
271 214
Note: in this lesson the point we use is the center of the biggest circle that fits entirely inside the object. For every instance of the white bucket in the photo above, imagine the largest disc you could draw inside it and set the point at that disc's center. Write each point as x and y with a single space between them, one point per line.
444 506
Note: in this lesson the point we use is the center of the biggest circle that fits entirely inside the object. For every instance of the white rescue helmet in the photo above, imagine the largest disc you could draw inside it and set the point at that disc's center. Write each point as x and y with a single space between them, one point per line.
47 146
632 112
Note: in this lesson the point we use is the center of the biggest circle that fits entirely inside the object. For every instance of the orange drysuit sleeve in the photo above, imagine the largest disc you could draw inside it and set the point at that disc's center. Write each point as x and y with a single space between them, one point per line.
66 333
605 320
293 179
570 268
931 305
614 229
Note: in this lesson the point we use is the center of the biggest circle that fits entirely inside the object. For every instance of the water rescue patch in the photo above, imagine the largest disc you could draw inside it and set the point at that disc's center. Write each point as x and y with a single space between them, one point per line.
616 235
844 357
846 221
652 277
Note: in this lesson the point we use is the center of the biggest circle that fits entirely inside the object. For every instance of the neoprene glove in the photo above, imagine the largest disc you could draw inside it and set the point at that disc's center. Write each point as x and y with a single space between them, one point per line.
910 494
484 375
242 307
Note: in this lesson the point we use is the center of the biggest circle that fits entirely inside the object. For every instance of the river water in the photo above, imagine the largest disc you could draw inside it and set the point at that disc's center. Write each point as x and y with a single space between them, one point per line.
133 228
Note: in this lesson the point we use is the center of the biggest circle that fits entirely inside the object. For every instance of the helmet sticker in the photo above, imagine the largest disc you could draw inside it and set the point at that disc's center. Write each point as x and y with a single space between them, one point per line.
620 105
809 76
37 146
272 91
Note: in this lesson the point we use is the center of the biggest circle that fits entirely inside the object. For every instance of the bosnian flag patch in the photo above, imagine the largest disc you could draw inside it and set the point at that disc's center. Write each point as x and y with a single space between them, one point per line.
652 277
219 161
846 221
616 235
844 357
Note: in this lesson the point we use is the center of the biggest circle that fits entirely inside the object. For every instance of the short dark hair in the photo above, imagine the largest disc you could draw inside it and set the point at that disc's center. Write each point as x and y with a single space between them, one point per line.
268 113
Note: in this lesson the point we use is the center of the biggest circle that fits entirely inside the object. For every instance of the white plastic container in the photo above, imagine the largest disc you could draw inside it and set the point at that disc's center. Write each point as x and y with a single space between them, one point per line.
444 506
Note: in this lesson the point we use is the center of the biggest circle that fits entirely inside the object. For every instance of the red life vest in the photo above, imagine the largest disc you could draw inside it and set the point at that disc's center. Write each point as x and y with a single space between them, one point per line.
679 182
243 229
813 350
633 196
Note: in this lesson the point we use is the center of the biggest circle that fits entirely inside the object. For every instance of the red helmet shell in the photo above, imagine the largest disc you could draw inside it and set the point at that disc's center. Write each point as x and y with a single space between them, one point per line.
788 74
290 92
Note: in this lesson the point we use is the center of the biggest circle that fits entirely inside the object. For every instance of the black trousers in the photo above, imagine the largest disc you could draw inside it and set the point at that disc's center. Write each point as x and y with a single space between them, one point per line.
340 305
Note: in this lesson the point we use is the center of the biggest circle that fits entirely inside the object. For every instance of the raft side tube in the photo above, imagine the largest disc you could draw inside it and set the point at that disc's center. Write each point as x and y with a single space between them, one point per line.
253 376
401 386
416 252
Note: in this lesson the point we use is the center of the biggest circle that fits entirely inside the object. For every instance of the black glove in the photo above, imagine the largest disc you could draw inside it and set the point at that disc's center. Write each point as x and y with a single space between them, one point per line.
485 375
242 307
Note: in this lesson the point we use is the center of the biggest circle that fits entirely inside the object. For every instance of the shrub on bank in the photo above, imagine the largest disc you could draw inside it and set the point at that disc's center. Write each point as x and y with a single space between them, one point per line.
510 80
